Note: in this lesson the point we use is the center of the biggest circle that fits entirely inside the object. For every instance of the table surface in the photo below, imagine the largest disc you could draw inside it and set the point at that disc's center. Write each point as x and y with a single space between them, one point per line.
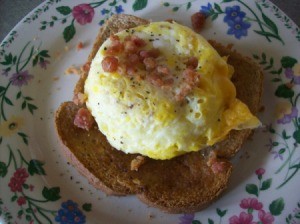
10 15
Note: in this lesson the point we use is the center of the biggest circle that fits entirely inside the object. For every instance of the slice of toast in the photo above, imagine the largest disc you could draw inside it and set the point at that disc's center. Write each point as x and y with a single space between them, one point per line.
182 184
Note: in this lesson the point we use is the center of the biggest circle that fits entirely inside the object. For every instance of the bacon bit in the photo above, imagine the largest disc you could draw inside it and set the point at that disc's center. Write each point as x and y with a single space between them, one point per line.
110 64
184 91
155 79
86 67
84 119
115 48
73 70
192 63
150 63
216 165
163 70
154 53
79 46
130 47
198 20
170 20
191 76
137 162
79 98
134 59
131 70
138 41
168 83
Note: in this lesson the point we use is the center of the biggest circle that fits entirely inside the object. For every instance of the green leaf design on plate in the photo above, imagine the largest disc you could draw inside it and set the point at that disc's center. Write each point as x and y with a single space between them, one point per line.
220 212
31 107
288 62
284 92
175 9
87 207
64 10
139 5
69 32
188 6
252 189
266 184
3 169
210 221
296 136
8 101
276 207
196 222
284 135
51 194
270 23
36 167
13 198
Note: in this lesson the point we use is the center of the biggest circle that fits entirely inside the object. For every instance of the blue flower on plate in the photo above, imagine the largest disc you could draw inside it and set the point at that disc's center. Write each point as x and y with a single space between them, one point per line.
206 10
238 27
69 213
104 11
119 9
232 13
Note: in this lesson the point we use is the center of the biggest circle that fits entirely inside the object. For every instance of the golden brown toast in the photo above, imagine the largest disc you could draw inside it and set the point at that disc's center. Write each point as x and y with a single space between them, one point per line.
182 184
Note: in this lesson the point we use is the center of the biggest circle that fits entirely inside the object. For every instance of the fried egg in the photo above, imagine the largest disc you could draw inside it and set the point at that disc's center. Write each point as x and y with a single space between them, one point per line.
137 116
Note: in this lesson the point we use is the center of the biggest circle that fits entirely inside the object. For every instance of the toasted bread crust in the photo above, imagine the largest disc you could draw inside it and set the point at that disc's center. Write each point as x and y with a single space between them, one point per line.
182 184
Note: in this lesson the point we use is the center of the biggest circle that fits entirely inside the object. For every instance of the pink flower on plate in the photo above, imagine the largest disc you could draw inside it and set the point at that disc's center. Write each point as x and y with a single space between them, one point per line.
21 174
83 13
260 171
21 78
44 64
15 184
18 179
243 218
265 217
21 201
251 203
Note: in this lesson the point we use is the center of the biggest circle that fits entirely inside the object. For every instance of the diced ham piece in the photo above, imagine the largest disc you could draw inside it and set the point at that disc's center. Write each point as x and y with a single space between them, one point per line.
150 63
154 53
110 64
163 70
198 21
84 119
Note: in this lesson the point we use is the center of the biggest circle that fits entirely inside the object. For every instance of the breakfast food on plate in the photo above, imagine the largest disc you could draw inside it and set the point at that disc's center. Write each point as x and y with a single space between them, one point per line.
159 112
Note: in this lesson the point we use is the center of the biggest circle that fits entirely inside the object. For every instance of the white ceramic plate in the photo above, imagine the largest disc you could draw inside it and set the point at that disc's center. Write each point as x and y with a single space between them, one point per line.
36 183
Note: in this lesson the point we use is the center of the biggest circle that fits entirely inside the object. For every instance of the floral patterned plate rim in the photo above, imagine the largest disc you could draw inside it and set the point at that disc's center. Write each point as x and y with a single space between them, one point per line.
37 184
